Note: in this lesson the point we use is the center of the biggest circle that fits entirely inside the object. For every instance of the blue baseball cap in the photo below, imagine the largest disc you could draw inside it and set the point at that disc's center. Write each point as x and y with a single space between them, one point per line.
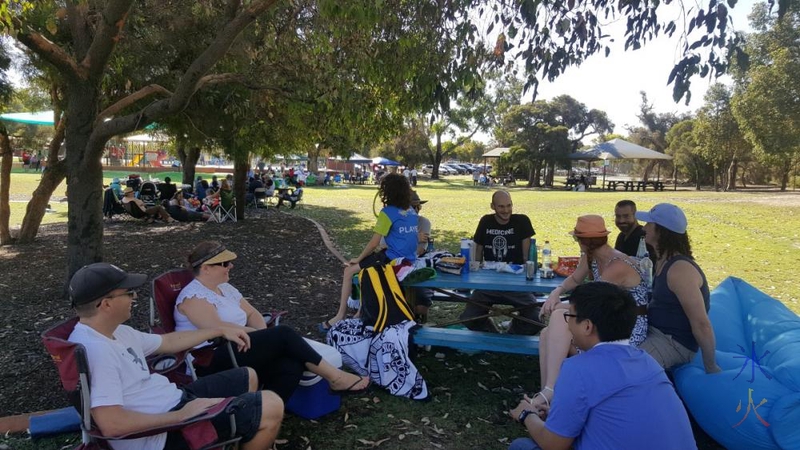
667 215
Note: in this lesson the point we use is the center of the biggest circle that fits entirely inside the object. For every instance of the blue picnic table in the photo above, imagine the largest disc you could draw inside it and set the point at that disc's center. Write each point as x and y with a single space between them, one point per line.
491 280
447 286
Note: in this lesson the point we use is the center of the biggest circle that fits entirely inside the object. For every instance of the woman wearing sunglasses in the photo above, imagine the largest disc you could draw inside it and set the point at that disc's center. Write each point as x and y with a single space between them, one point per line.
278 355
599 262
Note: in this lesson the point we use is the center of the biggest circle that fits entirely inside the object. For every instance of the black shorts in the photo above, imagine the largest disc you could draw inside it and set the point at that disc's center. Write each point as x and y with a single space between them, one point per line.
375 259
246 406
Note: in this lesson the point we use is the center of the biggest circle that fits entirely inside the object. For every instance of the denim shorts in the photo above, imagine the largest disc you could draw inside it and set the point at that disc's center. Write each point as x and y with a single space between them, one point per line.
246 407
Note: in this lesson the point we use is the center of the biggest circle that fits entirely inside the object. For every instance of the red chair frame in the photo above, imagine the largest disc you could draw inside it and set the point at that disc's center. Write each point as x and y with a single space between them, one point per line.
73 369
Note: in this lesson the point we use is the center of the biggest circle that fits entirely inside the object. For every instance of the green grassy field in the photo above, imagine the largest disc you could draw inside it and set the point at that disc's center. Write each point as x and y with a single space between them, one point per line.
750 235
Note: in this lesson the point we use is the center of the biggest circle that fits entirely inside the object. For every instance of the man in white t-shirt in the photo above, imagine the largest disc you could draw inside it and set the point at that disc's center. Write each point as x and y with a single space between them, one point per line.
127 398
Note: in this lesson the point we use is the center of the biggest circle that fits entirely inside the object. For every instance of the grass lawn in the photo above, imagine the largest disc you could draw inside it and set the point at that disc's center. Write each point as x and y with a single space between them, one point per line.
751 235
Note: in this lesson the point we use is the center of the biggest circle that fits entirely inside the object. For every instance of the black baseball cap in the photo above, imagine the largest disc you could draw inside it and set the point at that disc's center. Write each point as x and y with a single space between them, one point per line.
96 280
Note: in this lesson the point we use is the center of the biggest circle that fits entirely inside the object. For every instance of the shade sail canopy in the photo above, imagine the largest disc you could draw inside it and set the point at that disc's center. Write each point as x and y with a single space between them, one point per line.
496 152
32 118
618 149
147 138
384 161
359 159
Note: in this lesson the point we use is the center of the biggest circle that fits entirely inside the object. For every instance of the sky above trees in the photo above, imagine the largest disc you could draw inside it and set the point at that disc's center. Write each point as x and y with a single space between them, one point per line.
613 84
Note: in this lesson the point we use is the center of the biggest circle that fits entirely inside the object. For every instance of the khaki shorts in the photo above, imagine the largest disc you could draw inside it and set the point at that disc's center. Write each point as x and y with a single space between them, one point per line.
665 350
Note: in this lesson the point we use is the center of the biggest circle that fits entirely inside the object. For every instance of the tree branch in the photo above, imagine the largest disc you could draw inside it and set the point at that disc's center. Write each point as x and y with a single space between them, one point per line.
131 99
51 53
188 84
79 28
112 20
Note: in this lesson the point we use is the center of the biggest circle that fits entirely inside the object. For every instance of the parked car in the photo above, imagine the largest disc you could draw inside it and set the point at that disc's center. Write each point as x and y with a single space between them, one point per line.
454 168
444 170
468 169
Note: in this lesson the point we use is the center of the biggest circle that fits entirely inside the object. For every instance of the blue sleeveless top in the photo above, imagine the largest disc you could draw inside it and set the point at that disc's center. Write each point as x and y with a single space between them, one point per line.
665 311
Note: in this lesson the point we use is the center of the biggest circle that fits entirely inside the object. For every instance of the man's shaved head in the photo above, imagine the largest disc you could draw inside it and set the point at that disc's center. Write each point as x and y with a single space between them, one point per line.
502 206
500 197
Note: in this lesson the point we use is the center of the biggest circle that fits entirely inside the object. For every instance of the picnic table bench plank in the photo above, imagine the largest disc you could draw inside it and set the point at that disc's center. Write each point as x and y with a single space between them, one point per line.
476 340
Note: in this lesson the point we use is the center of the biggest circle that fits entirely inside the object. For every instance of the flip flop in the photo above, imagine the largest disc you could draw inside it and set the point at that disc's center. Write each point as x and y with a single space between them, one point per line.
350 390
323 327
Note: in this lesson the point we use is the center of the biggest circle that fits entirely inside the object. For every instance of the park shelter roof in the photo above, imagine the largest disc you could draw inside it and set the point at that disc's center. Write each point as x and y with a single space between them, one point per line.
496 152
31 118
618 149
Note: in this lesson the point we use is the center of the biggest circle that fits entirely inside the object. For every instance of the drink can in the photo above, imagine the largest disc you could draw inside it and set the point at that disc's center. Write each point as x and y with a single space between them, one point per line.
530 270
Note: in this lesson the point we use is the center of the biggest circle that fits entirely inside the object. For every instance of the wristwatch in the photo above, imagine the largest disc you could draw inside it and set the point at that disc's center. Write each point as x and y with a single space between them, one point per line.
524 415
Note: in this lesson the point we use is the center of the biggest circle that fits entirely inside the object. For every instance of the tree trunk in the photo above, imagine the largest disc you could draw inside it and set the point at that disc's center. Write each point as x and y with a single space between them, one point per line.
785 170
732 169
37 206
530 175
51 179
313 156
647 169
551 171
5 185
537 173
240 168
84 179
188 163
743 177
437 158
697 178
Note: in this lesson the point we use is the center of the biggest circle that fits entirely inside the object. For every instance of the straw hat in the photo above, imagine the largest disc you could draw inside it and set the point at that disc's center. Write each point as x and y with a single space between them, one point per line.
590 226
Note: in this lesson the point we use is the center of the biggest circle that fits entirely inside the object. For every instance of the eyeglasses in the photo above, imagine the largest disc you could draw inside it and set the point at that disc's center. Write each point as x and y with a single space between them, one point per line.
223 264
132 294
568 315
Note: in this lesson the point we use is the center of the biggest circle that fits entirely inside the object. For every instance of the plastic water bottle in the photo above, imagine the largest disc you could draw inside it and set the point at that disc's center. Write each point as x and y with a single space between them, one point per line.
645 263
465 254
547 256
429 248
533 254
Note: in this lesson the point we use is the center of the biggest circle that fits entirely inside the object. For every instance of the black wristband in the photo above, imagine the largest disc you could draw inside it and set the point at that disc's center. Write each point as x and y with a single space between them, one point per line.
524 415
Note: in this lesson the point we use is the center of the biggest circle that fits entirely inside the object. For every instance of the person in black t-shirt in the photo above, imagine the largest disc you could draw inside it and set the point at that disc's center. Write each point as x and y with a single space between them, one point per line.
630 229
502 236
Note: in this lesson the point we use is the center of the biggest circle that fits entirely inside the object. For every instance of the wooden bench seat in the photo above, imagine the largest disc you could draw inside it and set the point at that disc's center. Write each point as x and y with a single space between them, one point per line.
476 340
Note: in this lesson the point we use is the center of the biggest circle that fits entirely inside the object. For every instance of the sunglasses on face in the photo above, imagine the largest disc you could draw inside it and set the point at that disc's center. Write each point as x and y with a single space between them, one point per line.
223 264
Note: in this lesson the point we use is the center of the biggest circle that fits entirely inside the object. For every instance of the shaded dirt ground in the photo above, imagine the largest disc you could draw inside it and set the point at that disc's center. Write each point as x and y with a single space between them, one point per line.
282 264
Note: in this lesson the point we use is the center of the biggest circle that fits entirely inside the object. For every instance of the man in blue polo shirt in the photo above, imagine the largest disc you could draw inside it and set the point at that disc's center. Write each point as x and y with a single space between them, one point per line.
611 395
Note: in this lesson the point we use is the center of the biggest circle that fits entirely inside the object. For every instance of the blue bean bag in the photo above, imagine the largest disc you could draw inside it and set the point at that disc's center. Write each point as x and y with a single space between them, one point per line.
758 349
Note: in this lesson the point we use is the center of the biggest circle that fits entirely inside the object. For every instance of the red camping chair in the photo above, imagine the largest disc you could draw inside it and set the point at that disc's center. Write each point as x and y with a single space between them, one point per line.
164 293
73 369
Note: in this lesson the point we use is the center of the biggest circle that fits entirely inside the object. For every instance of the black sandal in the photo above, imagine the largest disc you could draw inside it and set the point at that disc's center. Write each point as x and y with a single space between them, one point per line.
350 390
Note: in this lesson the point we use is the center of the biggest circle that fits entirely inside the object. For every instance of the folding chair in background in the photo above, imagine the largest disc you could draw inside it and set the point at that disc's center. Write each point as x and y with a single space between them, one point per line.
260 198
226 208
73 369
